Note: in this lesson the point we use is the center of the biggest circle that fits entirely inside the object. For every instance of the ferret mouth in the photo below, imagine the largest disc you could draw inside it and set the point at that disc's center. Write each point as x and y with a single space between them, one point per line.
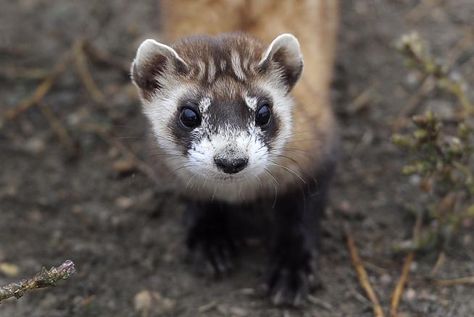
221 177
229 177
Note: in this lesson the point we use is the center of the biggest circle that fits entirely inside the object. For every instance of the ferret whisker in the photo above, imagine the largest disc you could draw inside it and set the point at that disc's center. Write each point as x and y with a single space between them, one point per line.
276 184
289 170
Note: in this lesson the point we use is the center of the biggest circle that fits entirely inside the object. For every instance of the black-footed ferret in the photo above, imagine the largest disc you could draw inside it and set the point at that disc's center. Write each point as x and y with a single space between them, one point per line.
236 122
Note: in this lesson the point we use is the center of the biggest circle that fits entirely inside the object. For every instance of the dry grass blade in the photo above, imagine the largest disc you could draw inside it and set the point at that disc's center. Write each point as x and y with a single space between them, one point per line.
362 275
439 263
397 293
84 72
456 281
40 91
45 278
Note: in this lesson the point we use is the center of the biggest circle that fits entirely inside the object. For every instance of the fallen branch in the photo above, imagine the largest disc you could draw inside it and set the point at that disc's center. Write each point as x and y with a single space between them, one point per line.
40 91
45 278
362 275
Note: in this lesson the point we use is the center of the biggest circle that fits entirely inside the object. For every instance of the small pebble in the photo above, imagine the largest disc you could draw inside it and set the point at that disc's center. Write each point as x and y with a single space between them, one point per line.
124 167
238 311
142 301
9 269
124 202
410 294
247 291
208 307
153 303
385 279
35 145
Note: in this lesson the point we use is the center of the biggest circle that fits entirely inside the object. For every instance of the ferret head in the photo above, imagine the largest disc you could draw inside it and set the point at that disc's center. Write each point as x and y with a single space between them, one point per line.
219 107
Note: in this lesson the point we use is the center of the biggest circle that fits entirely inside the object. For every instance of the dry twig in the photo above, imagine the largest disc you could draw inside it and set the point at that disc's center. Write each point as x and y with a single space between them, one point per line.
463 44
14 72
106 58
362 275
84 72
45 278
398 291
422 9
456 281
362 101
439 263
140 164
418 55
409 108
58 128
40 91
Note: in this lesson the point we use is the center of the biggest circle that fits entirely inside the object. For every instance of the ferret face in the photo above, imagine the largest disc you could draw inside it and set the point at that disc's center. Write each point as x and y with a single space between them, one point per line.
219 107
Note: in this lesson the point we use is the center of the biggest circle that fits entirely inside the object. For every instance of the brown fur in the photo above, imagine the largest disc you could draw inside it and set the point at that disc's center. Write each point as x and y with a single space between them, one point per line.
314 23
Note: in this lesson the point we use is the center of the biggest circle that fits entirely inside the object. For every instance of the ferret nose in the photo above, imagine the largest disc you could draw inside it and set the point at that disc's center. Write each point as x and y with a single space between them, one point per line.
232 165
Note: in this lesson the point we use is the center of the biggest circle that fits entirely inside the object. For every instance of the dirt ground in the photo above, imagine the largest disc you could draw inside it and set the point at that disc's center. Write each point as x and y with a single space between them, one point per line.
60 201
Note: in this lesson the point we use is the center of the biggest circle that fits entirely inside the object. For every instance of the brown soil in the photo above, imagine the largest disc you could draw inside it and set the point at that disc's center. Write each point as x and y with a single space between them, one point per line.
125 237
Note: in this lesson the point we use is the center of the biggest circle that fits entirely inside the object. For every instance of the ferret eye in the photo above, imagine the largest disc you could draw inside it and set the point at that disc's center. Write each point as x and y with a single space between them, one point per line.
189 118
263 115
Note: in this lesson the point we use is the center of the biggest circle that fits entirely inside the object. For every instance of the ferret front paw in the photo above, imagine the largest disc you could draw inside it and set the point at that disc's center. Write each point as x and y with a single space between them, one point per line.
211 251
290 281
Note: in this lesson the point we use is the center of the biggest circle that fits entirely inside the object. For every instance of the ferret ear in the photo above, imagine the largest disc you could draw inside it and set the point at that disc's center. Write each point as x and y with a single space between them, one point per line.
285 51
152 63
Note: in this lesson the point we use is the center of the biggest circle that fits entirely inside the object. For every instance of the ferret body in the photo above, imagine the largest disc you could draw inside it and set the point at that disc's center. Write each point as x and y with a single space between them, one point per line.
236 122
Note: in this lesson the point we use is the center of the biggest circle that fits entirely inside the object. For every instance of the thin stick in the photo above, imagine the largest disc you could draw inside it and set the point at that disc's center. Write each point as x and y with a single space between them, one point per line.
456 281
84 72
439 262
140 164
105 57
362 100
463 44
41 90
61 132
13 72
422 9
409 108
397 293
415 50
45 278
362 275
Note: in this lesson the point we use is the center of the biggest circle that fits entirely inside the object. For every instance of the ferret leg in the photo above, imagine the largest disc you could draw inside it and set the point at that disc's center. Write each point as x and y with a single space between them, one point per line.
212 249
292 270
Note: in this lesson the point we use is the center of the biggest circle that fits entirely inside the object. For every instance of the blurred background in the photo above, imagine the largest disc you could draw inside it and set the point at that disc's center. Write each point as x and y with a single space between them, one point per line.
74 183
